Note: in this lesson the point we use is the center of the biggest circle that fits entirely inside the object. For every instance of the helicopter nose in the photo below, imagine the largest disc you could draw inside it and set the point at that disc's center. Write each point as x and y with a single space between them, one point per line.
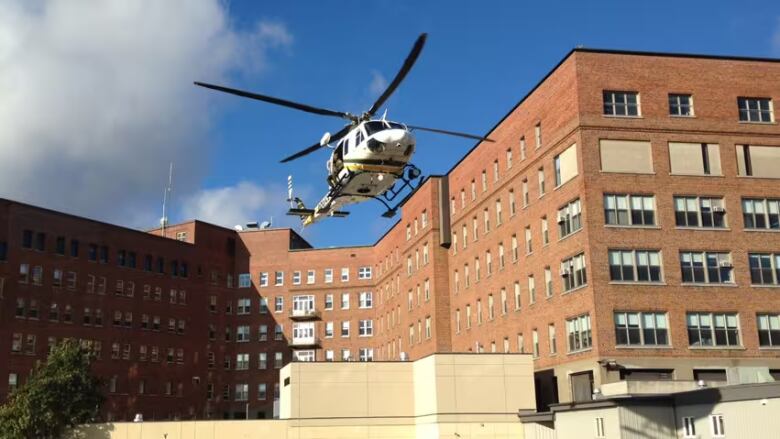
392 137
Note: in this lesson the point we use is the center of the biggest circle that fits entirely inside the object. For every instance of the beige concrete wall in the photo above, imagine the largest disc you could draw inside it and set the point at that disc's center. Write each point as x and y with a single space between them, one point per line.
646 422
582 423
748 419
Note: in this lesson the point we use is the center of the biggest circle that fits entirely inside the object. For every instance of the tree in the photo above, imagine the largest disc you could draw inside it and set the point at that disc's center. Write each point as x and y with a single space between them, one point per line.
59 394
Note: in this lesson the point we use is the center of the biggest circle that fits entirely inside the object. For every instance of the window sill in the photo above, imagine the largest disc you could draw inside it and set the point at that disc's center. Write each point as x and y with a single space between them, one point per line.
706 229
762 230
626 172
717 348
645 347
764 286
617 116
751 122
565 182
754 177
573 290
570 234
579 351
769 348
682 116
710 285
676 174
629 226
650 284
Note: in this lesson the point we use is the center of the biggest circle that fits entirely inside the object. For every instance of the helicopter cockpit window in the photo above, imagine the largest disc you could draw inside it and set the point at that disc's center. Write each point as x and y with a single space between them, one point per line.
358 137
377 125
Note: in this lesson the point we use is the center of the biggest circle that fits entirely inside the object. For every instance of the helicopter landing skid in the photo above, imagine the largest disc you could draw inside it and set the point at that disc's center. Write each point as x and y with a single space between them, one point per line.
410 178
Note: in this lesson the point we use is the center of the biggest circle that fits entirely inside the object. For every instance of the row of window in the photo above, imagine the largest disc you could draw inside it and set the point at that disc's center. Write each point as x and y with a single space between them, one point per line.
300 303
564 167
627 104
245 279
100 253
697 267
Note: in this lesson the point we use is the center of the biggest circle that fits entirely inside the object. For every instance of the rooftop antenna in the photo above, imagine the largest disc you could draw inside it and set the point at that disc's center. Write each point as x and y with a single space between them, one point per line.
166 194
290 191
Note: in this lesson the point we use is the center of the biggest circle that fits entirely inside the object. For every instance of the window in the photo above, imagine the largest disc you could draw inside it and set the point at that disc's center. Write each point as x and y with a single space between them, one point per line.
531 290
328 329
573 272
578 329
512 205
621 103
703 212
538 134
694 158
548 287
764 268
641 329
328 302
328 276
244 280
545 232
279 278
528 243
525 193
484 180
499 219
629 210
514 248
768 330
491 307
551 339
264 279
428 327
278 332
242 334
509 158
364 273
540 175
680 105
626 156
758 213
716 422
758 161
242 361
366 299
278 304
242 392
569 219
517 296
3 251
345 329
522 147
634 266
535 341
244 306
712 329
27 238
755 110
344 300
345 274
485 222
365 328
689 428
706 267
278 360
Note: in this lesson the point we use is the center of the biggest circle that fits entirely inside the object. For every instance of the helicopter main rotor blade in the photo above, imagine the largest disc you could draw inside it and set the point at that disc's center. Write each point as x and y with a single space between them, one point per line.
410 60
278 101
450 133
333 138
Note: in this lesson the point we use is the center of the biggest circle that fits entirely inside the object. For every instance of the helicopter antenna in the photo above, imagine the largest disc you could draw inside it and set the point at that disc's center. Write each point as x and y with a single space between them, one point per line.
166 194
290 191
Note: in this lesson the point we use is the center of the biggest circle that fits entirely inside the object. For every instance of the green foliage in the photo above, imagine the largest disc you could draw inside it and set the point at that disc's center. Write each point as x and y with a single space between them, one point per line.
59 394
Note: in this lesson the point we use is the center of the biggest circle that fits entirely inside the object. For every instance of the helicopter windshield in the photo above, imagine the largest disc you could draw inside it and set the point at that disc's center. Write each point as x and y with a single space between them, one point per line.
378 125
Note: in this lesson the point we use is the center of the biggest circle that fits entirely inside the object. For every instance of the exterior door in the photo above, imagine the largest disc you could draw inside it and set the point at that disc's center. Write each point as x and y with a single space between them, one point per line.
582 386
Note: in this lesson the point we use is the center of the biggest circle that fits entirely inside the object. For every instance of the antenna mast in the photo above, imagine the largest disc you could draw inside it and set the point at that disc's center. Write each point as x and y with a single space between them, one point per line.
166 194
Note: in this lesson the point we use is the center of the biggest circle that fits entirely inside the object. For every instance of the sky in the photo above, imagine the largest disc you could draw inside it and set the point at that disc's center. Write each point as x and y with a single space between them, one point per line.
96 97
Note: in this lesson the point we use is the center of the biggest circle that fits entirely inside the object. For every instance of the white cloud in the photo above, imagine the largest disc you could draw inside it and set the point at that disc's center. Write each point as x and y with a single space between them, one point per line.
377 85
97 99
241 203
776 38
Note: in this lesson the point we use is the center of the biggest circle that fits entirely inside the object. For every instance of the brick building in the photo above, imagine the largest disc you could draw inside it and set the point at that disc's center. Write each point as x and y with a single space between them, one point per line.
624 226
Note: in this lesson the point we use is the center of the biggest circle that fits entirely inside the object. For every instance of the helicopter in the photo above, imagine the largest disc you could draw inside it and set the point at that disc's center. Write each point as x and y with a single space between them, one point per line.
370 156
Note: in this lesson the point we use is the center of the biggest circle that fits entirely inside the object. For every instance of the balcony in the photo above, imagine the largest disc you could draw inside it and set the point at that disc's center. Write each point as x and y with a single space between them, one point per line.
301 315
304 343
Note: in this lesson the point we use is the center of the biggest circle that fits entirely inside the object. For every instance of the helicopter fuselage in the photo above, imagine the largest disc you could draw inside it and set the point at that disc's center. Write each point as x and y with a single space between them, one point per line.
364 164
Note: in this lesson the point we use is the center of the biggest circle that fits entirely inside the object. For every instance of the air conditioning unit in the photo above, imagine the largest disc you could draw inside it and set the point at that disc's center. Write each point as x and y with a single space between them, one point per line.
561 218
404 356
719 209
726 264
565 273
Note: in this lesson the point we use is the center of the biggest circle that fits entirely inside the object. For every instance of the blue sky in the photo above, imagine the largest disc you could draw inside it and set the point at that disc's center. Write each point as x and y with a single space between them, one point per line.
99 95
479 61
